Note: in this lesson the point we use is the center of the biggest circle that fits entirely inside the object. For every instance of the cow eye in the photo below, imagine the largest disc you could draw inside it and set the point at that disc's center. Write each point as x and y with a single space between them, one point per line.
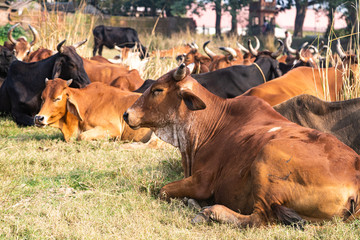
57 99
157 91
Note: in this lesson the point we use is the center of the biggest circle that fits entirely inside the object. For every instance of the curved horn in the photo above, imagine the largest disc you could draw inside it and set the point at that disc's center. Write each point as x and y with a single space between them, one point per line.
210 53
10 37
252 50
35 34
303 45
339 50
60 46
229 50
316 51
242 48
257 43
301 56
287 45
279 51
76 45
180 73
195 45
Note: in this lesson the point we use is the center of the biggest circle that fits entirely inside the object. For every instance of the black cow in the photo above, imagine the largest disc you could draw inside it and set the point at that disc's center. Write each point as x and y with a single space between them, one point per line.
6 58
119 36
342 118
235 80
20 93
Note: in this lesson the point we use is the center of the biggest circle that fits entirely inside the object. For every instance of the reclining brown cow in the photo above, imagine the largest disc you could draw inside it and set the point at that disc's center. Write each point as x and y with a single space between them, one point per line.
257 166
94 111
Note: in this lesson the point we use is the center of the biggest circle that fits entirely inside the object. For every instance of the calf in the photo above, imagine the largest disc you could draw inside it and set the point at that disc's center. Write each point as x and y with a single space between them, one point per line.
257 166
95 111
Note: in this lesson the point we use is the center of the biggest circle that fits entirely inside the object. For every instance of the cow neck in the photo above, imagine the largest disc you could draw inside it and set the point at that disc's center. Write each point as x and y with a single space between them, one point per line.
193 129
263 68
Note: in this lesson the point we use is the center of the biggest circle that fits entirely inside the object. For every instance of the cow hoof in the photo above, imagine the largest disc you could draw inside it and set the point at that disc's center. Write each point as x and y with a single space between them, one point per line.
192 203
200 218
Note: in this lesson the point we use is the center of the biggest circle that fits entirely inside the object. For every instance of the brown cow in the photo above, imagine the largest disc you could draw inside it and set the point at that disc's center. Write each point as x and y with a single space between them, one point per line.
94 111
21 46
324 83
256 166
172 52
201 61
40 54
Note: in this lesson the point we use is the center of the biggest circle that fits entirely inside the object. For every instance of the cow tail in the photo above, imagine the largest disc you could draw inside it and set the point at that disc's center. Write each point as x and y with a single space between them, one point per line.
287 216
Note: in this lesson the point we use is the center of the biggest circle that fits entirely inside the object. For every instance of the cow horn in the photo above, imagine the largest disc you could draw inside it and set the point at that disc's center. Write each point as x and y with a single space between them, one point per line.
10 37
316 51
252 50
210 53
301 56
339 50
257 43
287 45
35 34
118 48
229 50
191 67
279 51
303 45
60 46
46 80
68 82
76 45
180 72
195 45
242 48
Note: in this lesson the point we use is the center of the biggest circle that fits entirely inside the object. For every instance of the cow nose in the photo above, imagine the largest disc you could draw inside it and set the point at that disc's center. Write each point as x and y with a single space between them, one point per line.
39 118
126 117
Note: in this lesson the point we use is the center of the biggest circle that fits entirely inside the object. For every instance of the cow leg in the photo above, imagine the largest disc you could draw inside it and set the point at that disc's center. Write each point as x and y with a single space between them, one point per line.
22 119
95 50
223 214
100 49
96 133
196 186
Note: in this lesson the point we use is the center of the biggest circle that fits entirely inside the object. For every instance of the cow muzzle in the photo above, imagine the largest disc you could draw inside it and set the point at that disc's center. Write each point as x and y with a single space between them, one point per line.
130 120
40 121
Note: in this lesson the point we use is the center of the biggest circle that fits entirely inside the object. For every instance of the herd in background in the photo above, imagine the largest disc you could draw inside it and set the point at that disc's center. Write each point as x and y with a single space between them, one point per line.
197 107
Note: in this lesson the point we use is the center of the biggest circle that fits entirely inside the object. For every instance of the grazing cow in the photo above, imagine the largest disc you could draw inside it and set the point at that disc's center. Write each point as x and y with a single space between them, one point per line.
235 80
172 52
342 119
94 111
21 91
110 36
255 165
21 46
6 58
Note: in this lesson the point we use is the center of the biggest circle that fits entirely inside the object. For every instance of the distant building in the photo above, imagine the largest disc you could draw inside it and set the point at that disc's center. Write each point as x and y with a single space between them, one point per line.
262 15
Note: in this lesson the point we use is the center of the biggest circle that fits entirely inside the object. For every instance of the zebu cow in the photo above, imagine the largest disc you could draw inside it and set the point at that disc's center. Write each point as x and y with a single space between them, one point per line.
342 118
21 90
94 111
235 80
21 46
257 166
110 36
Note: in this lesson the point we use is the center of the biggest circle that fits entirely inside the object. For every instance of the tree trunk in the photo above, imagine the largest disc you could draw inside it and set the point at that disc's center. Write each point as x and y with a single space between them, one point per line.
301 6
218 18
233 14
330 16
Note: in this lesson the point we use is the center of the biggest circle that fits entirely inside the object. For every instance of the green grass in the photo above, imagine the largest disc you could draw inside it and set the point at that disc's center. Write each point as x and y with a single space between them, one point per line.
107 190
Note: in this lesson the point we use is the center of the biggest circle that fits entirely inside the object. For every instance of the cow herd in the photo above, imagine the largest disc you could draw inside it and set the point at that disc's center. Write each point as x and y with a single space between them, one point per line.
262 135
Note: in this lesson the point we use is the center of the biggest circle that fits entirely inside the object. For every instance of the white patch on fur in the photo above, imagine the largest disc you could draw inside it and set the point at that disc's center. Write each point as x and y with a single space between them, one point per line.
274 129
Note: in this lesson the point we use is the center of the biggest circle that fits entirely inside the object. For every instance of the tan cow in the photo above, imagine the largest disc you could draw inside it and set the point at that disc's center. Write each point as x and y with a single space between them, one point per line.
256 166
94 111
21 46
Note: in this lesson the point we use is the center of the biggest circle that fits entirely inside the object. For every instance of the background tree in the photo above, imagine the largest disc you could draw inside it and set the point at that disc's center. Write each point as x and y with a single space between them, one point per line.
233 6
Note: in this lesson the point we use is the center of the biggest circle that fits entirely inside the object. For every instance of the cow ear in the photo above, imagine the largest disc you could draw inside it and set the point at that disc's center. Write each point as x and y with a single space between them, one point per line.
73 108
68 82
192 101
57 68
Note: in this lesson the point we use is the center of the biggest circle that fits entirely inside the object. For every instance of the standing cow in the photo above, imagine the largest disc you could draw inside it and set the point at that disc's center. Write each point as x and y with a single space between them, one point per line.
119 36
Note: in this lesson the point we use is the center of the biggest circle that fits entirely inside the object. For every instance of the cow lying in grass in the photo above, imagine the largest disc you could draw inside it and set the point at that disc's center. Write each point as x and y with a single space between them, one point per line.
257 166
95 111
342 119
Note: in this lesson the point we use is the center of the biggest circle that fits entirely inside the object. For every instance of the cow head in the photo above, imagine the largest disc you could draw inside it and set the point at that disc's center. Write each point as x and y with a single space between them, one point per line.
68 64
349 61
21 46
194 56
166 101
56 102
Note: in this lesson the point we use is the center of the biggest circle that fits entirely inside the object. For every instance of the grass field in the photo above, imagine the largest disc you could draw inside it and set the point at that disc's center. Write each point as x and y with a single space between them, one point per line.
50 189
